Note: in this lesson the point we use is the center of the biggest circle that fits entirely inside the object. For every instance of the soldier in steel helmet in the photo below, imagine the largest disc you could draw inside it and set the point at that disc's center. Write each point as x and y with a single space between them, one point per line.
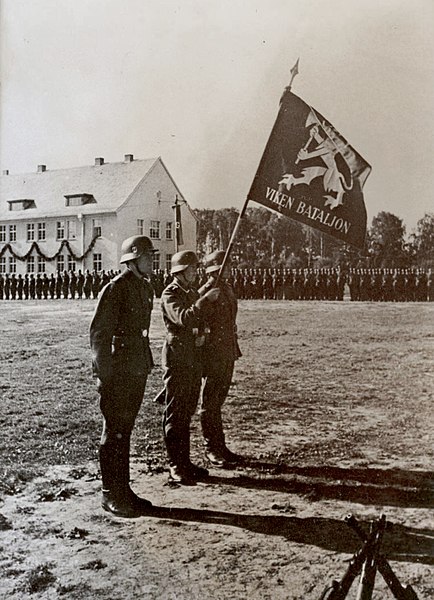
122 361
220 352
183 315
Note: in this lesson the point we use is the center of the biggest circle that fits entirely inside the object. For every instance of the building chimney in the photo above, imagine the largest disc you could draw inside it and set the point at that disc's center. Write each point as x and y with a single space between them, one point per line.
6 172
99 161
128 157
42 168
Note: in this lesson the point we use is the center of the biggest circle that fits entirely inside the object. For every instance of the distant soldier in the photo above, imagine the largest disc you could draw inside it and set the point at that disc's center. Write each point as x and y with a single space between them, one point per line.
267 285
96 284
45 286
38 286
387 285
80 284
32 286
7 286
122 360
72 284
52 286
65 284
20 286
59 284
87 287
26 286
287 284
354 284
341 282
13 287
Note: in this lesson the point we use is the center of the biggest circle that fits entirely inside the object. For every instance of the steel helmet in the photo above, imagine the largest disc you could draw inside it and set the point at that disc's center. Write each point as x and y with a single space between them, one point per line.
214 261
134 247
182 260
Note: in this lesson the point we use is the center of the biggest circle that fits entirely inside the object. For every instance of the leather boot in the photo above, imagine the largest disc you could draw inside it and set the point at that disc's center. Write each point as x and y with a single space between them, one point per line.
116 498
136 501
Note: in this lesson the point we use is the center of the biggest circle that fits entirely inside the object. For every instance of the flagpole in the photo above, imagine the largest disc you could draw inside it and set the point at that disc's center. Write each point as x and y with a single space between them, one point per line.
294 72
176 215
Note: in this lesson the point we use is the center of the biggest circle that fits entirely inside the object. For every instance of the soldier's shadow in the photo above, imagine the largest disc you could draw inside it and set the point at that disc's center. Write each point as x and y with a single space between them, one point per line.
394 487
400 543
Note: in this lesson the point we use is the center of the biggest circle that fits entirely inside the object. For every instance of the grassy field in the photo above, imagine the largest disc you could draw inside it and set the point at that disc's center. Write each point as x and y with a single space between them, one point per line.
336 398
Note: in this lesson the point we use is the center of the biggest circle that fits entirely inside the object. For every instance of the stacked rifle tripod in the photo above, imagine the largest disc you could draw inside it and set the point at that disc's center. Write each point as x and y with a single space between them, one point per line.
367 562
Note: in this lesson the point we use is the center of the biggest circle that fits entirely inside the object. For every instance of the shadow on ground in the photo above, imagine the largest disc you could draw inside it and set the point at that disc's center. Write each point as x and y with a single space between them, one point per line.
400 543
383 487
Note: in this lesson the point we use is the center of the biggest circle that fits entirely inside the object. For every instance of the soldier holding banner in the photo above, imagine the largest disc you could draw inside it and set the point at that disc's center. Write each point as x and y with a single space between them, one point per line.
183 316
220 352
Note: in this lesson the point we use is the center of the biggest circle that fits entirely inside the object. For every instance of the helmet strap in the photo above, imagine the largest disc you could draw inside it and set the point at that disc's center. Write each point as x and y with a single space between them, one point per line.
134 268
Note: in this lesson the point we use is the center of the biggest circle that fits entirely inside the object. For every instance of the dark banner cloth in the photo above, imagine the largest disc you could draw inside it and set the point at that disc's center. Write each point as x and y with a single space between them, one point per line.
311 174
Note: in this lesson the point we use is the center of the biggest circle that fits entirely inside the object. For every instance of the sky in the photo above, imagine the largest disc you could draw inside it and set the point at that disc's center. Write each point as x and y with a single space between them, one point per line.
198 83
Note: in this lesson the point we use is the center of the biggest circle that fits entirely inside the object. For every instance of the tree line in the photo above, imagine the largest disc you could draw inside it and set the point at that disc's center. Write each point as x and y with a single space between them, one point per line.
268 240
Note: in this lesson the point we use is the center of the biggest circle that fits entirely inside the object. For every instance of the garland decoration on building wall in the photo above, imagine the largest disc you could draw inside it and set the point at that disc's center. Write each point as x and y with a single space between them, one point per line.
39 252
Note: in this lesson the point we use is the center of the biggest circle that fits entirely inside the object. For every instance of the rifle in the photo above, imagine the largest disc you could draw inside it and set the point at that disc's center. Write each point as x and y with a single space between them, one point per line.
400 592
369 570
338 590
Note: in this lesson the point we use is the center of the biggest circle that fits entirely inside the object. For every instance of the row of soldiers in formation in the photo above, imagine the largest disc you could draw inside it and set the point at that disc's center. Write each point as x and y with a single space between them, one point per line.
66 284
387 285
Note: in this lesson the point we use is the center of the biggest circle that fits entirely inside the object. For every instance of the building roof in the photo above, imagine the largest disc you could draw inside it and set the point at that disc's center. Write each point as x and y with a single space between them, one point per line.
110 184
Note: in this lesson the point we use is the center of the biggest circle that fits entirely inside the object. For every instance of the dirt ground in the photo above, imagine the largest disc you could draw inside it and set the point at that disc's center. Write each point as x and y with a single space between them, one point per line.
331 405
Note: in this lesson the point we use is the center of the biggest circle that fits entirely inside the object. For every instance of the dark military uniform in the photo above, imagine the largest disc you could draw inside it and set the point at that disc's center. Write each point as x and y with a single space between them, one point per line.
121 360
220 352
182 315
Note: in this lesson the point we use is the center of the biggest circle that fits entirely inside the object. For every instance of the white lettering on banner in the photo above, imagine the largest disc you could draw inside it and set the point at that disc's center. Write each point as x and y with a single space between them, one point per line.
325 218
276 197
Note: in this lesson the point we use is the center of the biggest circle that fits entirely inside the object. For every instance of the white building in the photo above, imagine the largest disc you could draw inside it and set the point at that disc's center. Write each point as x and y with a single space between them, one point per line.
77 218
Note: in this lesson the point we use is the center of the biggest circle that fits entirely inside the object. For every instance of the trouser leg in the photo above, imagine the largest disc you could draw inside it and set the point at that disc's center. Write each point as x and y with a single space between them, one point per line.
182 393
214 392
120 404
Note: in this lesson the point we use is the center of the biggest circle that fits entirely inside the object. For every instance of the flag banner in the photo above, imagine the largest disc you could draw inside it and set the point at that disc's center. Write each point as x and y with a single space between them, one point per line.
311 174
178 225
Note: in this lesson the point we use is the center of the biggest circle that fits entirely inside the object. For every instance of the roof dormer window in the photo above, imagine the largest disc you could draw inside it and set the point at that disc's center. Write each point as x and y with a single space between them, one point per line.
23 204
79 199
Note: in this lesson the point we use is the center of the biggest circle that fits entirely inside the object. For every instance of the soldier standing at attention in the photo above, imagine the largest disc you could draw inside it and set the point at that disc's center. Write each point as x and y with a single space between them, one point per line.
220 352
183 313
122 361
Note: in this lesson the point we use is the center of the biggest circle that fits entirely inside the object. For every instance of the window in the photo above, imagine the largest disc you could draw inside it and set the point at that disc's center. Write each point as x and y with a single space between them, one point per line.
2 233
71 263
31 264
12 235
79 199
12 264
96 226
156 261
154 231
60 230
97 262
41 264
61 263
41 232
2 264
30 232
21 204
168 262
140 226
71 227
169 230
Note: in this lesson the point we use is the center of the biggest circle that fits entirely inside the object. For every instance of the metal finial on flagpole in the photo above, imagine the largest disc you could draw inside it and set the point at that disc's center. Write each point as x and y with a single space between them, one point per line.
294 72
